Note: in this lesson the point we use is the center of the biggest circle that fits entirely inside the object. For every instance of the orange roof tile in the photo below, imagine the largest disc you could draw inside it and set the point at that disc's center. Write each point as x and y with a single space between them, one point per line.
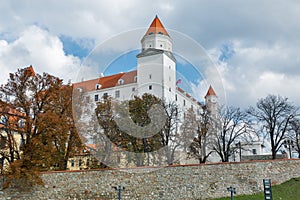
107 81
210 92
156 27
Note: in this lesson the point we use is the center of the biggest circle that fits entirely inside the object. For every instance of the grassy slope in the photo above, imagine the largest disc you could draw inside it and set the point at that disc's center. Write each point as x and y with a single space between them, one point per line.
289 190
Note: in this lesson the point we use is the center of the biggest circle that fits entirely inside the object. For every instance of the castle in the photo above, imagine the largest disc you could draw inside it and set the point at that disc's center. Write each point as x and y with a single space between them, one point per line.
155 74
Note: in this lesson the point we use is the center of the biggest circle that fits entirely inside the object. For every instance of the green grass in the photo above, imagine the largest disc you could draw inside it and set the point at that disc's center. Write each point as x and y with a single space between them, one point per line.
289 190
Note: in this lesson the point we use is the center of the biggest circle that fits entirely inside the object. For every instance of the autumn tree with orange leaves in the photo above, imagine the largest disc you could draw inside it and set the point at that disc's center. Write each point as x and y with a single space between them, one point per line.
48 134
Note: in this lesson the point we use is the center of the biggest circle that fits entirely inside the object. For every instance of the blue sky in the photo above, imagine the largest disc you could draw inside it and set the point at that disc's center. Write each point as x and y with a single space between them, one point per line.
253 45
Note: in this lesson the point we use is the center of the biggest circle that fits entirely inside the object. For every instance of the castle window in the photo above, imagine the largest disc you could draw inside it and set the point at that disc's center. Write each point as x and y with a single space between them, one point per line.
135 79
80 162
79 89
169 89
150 76
98 86
160 33
120 81
96 97
117 93
184 102
175 97
105 94
161 45
150 45
87 162
133 89
72 163
150 87
254 151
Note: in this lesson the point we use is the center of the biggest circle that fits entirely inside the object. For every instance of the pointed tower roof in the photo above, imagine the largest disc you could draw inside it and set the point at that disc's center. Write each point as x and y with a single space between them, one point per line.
210 92
156 27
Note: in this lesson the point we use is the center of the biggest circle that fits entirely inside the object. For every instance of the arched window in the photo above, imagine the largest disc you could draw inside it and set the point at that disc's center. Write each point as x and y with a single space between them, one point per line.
98 86
120 81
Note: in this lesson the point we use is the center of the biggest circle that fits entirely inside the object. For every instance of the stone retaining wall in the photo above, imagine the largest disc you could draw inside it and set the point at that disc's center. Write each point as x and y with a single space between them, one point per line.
176 182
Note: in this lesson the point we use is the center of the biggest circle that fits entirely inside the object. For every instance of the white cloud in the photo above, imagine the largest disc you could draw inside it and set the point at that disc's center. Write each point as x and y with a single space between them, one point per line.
253 72
39 48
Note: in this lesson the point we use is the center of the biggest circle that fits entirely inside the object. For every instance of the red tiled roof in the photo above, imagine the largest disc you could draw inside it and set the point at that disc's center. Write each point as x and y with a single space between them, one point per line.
210 92
107 81
156 27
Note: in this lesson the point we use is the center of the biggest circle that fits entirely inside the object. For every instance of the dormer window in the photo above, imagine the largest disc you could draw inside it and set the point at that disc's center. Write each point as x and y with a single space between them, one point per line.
120 81
160 33
79 90
97 86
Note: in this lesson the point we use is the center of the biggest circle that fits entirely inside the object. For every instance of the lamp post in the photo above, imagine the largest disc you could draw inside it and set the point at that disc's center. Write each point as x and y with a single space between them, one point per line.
289 144
232 192
119 189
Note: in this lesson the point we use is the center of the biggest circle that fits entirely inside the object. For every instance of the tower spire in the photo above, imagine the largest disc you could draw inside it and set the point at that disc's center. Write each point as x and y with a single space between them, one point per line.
210 92
156 27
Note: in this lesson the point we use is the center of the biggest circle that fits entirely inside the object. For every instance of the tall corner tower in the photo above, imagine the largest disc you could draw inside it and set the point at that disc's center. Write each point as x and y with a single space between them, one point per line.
211 101
156 66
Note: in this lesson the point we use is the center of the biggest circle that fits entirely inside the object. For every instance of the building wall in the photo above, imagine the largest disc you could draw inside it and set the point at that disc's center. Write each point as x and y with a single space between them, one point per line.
176 182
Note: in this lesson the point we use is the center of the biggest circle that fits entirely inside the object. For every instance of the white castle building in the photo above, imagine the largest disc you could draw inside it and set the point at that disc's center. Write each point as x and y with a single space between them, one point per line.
155 74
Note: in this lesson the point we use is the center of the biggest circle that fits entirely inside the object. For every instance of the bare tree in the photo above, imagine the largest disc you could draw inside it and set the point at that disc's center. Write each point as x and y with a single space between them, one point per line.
275 114
232 126
296 135
198 134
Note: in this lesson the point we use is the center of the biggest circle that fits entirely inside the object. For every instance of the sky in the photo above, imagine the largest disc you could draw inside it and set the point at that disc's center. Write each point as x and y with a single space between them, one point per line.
253 45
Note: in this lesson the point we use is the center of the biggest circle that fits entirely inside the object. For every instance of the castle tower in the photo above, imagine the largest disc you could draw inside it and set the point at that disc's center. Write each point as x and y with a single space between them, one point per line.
156 68
211 101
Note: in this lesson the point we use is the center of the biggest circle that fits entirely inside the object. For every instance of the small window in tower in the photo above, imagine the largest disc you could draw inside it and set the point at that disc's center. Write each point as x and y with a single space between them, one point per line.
160 33
117 93
96 97
161 45
184 102
135 79
169 66
150 87
175 97
150 76
133 89
150 45
169 89
254 151
80 162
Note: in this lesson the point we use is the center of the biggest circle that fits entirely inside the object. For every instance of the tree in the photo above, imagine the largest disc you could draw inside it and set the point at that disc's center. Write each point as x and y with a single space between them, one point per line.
232 126
48 134
275 114
295 125
200 130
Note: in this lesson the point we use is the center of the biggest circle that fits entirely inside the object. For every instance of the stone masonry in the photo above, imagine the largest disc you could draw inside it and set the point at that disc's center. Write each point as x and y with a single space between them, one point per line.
204 181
